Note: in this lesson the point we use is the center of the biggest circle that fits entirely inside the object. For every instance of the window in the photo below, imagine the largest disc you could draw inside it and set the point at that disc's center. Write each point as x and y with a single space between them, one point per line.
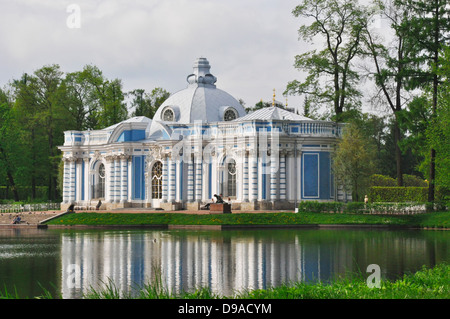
98 190
157 181
230 115
231 187
168 115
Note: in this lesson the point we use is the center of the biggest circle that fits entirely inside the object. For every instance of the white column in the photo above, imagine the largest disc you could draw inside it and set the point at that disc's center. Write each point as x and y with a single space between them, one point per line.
124 178
178 169
253 178
298 162
245 174
282 175
72 176
190 190
78 173
109 186
130 172
171 179
198 179
205 180
273 176
118 176
165 180
66 180
86 180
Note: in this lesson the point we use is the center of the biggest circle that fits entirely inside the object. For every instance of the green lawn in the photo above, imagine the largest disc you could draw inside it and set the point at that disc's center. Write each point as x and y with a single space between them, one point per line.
435 219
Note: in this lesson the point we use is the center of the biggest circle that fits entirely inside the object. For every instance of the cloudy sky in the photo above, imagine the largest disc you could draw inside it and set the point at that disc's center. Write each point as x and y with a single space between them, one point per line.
250 44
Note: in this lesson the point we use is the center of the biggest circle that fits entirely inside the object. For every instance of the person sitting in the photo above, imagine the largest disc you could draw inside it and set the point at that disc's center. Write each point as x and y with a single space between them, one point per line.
99 204
17 219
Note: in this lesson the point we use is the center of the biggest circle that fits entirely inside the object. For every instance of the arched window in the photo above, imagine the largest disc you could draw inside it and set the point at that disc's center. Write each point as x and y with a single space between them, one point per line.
168 115
99 182
231 169
157 181
230 114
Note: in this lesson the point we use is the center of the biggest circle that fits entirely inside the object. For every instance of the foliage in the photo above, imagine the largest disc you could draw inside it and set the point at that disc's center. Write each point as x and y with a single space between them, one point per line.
37 108
381 180
353 161
424 284
366 208
408 181
318 207
415 181
438 133
146 104
393 65
398 194
331 78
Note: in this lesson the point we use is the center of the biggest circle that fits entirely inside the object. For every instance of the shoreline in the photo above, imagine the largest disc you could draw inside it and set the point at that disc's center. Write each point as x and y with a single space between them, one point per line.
41 220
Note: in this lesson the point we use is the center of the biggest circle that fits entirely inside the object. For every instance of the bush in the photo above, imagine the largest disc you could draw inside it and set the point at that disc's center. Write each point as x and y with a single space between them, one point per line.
387 181
355 207
381 180
398 194
318 207
413 181
361 208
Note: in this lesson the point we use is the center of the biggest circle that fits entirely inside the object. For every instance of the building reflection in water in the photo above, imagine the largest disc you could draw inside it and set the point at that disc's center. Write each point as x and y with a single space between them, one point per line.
187 260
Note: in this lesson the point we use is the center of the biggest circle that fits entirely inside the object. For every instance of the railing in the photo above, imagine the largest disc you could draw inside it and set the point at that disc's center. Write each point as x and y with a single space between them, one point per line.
19 208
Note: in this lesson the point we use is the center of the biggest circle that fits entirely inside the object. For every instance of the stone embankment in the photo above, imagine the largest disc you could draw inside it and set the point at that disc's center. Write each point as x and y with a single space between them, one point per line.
27 218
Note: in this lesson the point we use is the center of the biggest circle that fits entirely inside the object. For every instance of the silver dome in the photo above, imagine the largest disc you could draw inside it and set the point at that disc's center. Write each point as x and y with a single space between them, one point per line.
200 101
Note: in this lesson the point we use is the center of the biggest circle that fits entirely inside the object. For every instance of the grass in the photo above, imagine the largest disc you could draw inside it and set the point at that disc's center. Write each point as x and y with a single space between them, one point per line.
432 220
427 283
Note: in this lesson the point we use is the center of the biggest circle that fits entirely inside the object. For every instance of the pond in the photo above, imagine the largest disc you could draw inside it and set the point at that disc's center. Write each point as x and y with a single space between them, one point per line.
69 262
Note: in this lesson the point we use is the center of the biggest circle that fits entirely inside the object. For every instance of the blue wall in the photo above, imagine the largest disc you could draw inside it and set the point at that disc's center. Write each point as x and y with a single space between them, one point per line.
131 135
310 169
138 183
316 175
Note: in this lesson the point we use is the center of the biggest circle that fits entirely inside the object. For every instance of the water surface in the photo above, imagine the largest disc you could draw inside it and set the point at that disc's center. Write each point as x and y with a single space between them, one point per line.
69 262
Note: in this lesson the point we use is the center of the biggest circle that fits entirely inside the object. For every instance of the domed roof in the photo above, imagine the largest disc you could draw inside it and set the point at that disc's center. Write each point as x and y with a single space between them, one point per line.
200 101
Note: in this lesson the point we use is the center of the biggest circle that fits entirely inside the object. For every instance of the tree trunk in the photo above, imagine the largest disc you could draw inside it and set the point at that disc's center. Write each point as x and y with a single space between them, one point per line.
398 153
9 175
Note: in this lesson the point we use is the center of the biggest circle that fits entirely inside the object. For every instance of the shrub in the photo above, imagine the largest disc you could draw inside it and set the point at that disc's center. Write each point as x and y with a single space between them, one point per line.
413 181
381 180
317 207
355 207
398 194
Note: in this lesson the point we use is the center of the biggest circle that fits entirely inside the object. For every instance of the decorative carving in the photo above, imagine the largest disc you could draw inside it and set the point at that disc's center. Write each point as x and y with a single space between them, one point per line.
156 153
97 156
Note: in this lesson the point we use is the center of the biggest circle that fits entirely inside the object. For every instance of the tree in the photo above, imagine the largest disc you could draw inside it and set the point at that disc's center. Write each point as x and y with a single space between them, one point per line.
78 95
7 139
331 76
39 112
145 104
353 160
438 133
429 27
392 66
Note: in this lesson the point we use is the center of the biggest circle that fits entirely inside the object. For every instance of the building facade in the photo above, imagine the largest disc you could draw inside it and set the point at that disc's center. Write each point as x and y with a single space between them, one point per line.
201 142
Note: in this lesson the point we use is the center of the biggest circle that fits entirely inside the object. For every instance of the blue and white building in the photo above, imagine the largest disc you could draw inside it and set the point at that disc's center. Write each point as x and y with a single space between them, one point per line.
201 142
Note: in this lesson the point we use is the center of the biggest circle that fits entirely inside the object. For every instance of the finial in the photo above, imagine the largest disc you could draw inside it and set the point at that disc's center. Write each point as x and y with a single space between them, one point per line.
273 99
